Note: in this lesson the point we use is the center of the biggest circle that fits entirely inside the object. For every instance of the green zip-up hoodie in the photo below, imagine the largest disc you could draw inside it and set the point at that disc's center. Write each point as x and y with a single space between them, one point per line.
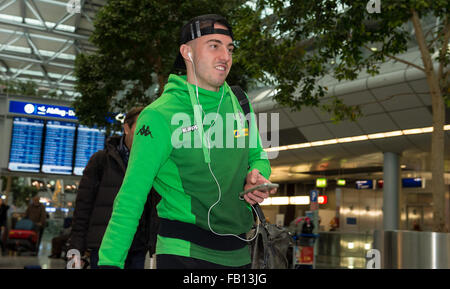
166 155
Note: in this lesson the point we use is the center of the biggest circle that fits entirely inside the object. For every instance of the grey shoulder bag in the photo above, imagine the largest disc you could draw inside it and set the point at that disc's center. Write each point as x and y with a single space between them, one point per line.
270 247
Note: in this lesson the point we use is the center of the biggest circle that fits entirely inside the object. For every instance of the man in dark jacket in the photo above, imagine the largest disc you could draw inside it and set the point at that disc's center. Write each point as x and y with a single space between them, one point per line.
98 188
36 213
3 224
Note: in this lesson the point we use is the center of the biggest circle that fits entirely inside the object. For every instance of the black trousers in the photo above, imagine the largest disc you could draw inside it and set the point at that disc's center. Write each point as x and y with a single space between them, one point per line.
3 235
40 231
58 243
166 261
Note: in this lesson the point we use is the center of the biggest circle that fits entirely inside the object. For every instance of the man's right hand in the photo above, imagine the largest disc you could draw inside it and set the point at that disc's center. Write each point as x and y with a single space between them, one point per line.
254 178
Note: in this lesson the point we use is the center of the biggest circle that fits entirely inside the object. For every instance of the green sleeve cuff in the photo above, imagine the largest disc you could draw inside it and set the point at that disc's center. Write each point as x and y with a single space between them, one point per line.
263 166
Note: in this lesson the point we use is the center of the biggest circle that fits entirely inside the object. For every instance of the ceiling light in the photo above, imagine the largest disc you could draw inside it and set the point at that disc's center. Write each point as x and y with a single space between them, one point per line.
274 149
330 141
266 202
345 139
412 131
317 143
355 138
376 135
360 138
295 146
280 201
299 200
393 133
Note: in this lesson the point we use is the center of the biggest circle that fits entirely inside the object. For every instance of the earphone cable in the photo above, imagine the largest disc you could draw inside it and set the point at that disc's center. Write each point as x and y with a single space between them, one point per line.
209 163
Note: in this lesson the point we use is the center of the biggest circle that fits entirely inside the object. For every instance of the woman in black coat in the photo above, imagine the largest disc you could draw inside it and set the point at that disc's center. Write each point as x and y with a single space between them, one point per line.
98 188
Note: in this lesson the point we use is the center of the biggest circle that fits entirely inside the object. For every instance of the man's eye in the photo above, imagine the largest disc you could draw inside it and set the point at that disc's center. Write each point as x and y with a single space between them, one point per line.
213 46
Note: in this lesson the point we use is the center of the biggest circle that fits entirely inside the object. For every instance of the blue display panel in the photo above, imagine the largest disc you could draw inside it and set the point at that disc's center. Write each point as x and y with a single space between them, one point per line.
351 221
89 141
412 183
26 143
39 109
364 184
58 148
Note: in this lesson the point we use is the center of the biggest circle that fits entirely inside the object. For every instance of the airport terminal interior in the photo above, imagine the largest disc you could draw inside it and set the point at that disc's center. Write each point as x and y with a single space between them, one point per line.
349 165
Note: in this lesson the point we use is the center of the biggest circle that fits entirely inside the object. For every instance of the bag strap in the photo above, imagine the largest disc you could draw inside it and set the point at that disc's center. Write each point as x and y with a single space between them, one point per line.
242 98
243 101
260 213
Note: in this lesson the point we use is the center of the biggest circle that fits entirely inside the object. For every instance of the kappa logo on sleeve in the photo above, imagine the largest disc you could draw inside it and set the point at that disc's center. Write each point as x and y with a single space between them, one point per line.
145 131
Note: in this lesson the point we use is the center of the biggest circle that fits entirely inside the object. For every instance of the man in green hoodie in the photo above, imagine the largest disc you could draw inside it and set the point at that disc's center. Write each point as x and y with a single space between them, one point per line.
179 150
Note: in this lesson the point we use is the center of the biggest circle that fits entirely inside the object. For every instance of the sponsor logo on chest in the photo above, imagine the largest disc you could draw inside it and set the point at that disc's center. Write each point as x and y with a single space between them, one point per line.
189 128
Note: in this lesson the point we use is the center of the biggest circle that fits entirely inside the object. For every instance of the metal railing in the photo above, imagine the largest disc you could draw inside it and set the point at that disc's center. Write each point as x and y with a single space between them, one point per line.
413 250
343 250
398 249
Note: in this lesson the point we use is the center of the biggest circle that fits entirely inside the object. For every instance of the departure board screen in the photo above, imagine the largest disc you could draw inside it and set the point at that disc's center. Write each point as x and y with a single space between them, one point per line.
26 143
58 148
89 141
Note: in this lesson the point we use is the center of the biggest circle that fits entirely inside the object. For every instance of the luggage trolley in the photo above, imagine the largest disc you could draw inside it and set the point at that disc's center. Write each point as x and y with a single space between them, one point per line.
23 238
303 249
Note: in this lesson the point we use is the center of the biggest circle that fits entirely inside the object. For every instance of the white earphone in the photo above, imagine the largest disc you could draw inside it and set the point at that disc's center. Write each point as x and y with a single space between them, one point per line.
209 164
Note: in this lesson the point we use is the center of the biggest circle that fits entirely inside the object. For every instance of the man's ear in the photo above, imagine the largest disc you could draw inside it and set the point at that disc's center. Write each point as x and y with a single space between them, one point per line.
184 50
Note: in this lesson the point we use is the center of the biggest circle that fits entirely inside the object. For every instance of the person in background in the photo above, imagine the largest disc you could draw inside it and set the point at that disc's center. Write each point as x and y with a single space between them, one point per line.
37 214
416 226
59 241
97 191
3 224
334 224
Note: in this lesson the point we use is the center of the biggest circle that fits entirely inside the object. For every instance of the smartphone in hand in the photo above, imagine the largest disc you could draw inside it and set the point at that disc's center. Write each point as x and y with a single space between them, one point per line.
263 187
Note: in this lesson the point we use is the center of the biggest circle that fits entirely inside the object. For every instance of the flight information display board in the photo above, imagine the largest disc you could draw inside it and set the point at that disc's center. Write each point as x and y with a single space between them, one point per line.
26 143
58 147
89 141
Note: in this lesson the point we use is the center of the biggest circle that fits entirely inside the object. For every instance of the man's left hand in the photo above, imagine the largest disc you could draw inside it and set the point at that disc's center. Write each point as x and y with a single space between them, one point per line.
254 178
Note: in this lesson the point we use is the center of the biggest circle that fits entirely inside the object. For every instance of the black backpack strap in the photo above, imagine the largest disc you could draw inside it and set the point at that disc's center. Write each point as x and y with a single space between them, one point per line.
243 101
242 98
101 164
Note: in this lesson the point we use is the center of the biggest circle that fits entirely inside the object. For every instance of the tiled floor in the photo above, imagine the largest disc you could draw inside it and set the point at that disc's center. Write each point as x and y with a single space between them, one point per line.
42 260
20 262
